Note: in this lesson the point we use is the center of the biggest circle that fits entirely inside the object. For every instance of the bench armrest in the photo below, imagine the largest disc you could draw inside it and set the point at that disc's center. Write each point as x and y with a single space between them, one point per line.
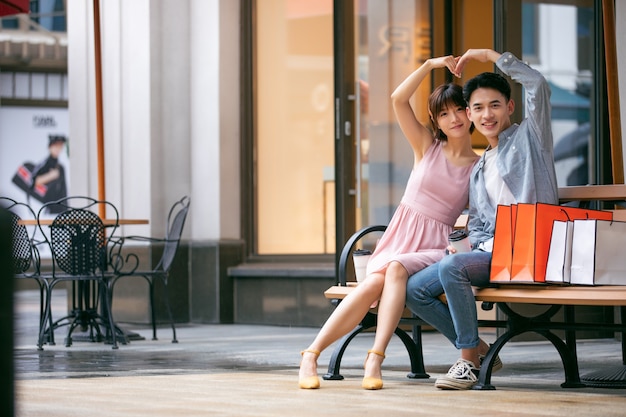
349 246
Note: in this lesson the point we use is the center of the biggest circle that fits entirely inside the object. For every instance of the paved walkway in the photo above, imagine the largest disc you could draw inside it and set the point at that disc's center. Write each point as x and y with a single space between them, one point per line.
247 370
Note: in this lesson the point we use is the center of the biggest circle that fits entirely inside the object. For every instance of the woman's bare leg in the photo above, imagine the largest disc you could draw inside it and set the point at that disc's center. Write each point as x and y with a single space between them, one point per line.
390 310
344 318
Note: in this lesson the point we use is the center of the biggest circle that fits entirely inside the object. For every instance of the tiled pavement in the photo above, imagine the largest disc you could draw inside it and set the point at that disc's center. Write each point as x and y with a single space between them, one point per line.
241 370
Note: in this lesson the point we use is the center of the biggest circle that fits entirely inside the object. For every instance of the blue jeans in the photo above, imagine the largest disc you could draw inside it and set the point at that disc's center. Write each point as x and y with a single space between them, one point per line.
455 275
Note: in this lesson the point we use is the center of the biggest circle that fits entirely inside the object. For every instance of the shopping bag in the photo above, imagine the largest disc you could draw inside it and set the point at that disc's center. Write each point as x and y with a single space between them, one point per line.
23 178
598 253
502 253
560 252
532 238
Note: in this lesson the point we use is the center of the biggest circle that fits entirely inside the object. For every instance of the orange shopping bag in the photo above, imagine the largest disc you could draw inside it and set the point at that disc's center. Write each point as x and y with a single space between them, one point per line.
532 240
502 254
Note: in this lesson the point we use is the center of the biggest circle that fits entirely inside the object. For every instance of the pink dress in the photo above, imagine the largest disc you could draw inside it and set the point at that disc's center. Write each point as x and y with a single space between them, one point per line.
417 235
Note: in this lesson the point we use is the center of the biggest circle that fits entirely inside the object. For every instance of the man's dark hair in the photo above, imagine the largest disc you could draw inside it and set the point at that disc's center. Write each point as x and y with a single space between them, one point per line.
487 80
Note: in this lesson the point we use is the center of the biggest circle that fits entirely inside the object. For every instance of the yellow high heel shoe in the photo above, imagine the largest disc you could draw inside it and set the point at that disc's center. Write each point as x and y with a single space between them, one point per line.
369 382
310 382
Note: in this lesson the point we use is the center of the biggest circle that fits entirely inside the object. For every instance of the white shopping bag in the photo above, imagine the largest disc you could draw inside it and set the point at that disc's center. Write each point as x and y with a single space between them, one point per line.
560 253
598 256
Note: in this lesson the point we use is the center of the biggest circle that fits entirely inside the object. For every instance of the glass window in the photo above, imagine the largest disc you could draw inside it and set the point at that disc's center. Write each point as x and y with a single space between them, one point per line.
393 38
50 14
529 32
294 146
556 40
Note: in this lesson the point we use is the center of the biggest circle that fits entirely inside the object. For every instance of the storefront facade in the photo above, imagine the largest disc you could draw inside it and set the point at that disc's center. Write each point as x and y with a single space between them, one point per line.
274 117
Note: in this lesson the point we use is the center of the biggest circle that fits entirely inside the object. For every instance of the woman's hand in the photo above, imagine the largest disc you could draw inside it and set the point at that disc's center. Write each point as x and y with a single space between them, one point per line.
480 55
448 61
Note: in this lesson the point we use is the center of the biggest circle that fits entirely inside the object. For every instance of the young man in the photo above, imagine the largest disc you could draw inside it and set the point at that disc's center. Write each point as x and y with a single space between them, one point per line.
517 167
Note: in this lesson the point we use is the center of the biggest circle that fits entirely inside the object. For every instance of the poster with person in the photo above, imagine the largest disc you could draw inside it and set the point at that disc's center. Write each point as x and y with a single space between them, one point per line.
45 181
34 155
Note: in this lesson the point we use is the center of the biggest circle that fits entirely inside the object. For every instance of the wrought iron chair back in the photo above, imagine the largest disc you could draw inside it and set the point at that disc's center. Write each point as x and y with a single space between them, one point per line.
24 253
78 241
25 256
175 222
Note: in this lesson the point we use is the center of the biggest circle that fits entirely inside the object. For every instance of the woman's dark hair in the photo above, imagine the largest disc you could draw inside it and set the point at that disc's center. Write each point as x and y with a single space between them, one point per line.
487 80
446 96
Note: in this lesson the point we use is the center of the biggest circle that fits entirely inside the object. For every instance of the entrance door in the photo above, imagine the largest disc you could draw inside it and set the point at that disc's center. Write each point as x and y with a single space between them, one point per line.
377 44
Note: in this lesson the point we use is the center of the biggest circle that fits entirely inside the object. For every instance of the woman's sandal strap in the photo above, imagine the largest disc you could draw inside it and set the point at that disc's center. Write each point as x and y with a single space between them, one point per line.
381 354
313 351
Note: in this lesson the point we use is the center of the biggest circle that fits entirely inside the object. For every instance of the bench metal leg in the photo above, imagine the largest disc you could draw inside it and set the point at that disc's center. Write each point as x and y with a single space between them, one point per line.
613 377
484 377
572 373
569 359
334 365
570 364
413 347
622 316
516 325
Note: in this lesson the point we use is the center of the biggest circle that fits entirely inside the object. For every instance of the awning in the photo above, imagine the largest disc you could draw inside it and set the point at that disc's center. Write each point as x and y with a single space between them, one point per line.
9 7
567 105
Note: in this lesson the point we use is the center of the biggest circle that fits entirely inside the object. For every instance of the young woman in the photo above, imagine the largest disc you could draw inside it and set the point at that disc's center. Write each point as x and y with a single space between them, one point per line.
435 195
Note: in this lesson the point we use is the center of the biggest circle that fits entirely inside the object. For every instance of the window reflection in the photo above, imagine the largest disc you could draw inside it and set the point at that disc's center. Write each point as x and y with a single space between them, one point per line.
557 39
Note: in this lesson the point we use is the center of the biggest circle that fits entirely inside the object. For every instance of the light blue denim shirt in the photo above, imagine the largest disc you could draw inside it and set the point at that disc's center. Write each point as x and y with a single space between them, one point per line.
525 157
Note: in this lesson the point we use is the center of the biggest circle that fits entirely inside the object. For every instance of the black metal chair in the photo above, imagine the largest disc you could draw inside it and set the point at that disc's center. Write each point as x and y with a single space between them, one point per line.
175 223
24 253
79 244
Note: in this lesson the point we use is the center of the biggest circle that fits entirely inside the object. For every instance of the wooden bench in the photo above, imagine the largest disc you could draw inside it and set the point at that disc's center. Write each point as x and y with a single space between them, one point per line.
556 297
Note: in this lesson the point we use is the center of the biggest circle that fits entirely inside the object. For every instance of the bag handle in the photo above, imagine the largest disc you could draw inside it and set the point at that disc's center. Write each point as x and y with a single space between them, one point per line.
567 215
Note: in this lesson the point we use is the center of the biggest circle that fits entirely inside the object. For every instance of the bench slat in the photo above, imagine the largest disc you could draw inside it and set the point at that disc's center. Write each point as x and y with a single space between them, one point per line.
610 295
582 296
592 192
338 292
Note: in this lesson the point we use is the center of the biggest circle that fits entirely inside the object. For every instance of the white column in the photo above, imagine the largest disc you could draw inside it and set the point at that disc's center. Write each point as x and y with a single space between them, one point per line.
170 75
215 108
81 95
170 107
205 117
620 36
230 155
125 69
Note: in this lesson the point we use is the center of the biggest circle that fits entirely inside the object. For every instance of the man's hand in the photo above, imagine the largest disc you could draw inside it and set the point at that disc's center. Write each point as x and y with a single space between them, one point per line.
448 61
480 55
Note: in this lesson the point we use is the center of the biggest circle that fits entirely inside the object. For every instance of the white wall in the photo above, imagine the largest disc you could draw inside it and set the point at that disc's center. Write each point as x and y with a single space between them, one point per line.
126 93
620 36
205 114
215 115
230 104
171 109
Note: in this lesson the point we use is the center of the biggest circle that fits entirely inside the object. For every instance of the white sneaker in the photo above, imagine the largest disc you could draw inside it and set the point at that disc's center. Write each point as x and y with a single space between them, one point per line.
462 375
